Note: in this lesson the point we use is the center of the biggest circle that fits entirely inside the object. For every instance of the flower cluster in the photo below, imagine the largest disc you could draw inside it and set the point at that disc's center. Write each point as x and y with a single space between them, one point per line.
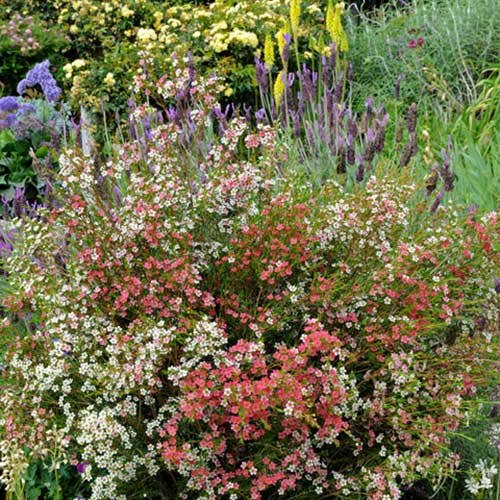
11 108
41 75
19 31
481 477
188 308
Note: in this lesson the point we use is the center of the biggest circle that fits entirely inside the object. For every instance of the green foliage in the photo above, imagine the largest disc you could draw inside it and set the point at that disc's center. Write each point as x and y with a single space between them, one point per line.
460 40
45 482
16 169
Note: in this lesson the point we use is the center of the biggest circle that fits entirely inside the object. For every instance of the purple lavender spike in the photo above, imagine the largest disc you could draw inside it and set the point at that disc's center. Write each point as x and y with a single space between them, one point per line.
339 87
352 126
248 113
333 57
371 135
117 194
437 201
172 114
369 105
360 173
260 115
324 72
351 152
286 49
261 75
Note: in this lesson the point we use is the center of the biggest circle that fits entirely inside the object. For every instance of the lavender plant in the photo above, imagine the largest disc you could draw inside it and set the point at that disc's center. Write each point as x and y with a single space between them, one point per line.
313 111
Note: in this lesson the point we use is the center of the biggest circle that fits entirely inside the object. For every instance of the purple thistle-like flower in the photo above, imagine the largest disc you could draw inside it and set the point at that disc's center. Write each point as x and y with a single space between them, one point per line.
40 75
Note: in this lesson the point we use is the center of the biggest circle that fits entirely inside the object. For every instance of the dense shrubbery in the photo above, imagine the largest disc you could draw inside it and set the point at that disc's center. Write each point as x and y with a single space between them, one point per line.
240 329
102 58
225 301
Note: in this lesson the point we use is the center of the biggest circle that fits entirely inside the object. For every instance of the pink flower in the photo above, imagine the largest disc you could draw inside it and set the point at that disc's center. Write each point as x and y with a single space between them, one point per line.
413 44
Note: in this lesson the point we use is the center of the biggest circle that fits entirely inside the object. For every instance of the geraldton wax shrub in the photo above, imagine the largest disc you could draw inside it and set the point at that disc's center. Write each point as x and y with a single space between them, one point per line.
235 332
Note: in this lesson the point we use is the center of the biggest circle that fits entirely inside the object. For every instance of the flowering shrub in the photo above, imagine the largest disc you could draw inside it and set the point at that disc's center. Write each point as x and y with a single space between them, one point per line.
105 38
24 41
207 324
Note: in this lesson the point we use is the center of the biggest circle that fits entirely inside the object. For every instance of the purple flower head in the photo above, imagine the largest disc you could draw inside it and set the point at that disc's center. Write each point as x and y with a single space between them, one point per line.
9 104
40 75
497 285
412 43
81 466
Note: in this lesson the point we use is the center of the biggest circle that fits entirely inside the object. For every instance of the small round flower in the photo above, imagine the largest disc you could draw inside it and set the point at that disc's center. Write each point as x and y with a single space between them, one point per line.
109 79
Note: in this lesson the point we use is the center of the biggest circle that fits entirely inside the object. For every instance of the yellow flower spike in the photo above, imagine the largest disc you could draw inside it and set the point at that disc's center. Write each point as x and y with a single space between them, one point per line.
334 25
295 16
344 44
279 88
330 18
269 52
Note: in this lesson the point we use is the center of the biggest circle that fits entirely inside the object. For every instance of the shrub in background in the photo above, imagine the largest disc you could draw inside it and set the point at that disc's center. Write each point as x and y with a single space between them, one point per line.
26 40
219 327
